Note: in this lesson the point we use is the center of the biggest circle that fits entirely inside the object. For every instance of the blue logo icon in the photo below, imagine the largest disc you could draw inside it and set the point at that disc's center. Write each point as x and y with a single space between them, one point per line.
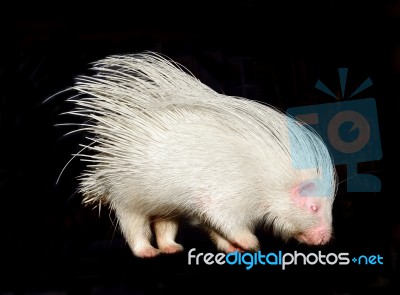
350 129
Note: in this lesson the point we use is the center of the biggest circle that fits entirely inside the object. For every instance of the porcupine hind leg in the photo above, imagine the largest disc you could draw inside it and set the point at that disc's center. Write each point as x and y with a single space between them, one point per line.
165 231
136 229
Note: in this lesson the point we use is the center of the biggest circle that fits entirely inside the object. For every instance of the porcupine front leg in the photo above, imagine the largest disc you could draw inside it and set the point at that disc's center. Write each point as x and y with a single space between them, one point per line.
241 241
222 243
230 235
136 229
165 231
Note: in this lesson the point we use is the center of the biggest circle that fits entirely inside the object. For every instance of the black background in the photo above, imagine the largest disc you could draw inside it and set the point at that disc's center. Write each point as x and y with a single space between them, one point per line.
265 51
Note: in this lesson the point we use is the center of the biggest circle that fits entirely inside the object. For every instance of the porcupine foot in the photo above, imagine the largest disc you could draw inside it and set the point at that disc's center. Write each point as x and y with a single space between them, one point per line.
223 244
244 241
137 232
165 230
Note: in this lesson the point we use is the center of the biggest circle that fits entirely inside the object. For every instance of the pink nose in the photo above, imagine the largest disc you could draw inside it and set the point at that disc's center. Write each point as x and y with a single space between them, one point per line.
318 236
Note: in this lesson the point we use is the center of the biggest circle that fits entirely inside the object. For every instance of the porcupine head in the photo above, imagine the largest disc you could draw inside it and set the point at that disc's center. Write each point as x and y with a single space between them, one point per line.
164 145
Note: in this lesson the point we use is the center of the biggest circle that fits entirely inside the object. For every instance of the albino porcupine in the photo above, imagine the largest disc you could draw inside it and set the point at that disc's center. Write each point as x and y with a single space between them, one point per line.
164 145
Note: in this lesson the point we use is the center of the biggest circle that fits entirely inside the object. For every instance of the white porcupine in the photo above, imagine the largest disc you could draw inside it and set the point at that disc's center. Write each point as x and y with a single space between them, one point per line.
164 145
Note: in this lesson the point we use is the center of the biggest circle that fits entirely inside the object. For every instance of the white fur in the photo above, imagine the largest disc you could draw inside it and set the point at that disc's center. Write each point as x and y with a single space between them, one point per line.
164 144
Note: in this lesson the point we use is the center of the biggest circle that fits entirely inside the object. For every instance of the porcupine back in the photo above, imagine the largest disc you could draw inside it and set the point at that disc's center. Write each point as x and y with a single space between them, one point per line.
157 131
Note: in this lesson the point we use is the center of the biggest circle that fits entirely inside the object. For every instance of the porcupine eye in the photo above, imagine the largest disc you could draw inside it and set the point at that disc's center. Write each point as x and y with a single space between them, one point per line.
308 190
304 196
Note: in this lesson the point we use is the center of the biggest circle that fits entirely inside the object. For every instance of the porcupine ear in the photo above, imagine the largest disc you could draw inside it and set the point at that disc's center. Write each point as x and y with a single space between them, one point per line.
302 195
310 155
